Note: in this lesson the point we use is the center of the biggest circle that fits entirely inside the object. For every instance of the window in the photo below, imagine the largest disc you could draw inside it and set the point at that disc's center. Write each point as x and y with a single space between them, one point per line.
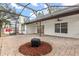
61 28
57 28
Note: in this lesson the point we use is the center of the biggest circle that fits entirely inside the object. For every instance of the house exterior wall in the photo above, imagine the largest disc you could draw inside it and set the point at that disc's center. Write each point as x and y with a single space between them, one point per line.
31 29
49 26
73 26
20 27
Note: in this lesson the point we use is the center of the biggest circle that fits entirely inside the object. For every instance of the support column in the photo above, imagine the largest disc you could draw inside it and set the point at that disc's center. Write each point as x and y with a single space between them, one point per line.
40 28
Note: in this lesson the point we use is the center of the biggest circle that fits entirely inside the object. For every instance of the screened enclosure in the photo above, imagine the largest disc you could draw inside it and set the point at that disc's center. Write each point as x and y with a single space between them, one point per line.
14 15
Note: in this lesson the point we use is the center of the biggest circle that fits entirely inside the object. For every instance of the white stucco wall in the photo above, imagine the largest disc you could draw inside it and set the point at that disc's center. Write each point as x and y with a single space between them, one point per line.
21 21
31 29
73 26
49 26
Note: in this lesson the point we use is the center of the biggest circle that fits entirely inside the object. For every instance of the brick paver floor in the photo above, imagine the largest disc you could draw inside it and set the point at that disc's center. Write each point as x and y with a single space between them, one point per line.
61 46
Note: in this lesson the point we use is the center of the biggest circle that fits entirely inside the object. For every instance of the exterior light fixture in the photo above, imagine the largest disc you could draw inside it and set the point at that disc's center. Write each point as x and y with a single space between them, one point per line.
59 19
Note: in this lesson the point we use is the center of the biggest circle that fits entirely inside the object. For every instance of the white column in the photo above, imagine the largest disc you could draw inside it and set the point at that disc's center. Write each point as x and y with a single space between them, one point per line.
19 28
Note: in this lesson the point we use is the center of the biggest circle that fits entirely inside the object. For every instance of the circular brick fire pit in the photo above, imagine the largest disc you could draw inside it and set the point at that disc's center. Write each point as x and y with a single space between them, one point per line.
35 48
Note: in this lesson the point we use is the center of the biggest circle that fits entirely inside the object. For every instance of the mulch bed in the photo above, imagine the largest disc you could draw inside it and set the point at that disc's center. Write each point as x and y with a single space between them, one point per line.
43 49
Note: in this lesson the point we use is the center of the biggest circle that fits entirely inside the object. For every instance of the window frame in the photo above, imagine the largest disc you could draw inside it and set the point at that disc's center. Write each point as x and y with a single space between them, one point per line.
65 27
57 28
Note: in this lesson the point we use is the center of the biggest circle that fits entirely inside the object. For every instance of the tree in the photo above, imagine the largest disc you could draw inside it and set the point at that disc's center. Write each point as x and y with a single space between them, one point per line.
40 13
3 20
